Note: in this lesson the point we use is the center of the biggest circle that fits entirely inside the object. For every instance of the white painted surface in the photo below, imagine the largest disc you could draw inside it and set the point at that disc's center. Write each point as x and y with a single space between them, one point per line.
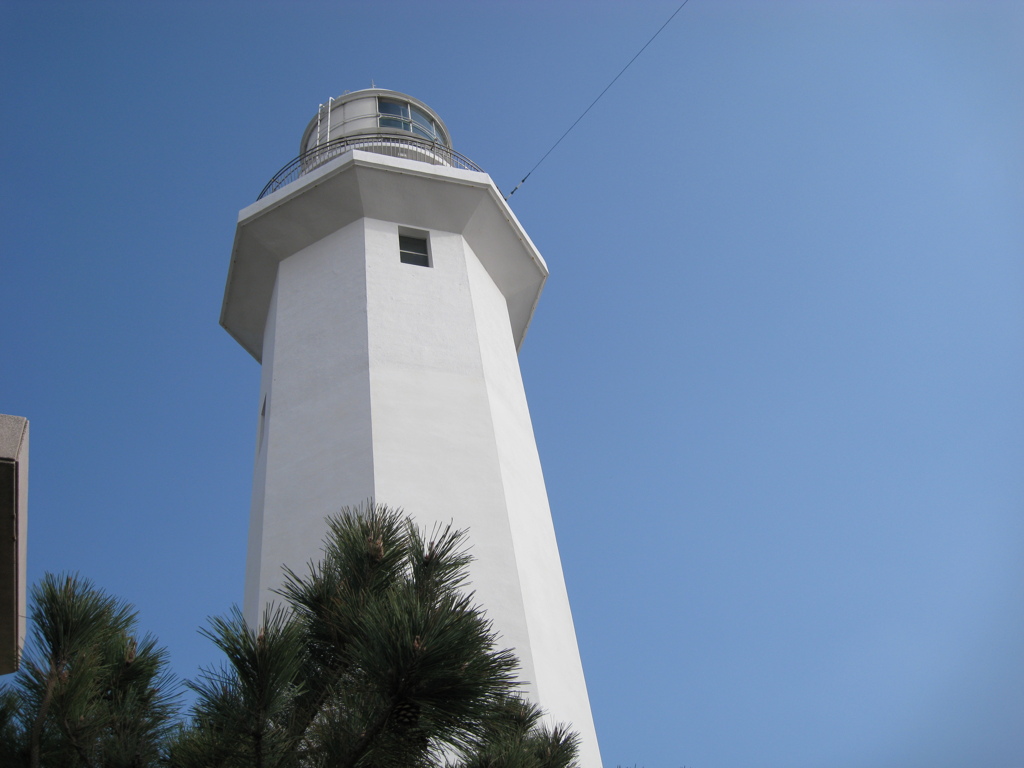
316 454
359 184
356 113
557 669
401 383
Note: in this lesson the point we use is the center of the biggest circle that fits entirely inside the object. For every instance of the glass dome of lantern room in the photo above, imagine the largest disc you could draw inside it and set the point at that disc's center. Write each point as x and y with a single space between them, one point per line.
373 120
374 112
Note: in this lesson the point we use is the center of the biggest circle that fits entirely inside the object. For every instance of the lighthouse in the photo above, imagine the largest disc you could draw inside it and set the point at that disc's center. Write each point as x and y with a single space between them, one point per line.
386 288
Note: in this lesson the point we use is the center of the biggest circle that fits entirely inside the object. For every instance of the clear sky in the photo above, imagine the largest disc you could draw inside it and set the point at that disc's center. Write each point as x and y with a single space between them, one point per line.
776 377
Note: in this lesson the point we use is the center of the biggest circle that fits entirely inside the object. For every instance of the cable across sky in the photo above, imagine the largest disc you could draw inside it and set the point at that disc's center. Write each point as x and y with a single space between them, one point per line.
602 93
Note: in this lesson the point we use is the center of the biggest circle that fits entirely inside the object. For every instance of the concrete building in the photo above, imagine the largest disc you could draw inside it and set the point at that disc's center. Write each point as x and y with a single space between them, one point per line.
386 287
14 546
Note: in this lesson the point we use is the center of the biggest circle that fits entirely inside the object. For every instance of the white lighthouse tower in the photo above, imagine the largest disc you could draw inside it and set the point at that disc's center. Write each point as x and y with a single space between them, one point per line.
386 287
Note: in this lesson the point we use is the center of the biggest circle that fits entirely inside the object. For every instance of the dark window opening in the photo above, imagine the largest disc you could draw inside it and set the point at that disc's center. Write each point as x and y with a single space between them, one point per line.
413 250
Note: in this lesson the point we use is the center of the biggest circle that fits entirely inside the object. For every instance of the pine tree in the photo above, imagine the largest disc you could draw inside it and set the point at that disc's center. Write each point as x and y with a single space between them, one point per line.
377 659
380 659
90 693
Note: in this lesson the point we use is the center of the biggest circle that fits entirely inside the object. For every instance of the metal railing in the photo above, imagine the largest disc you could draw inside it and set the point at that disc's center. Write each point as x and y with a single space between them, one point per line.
406 147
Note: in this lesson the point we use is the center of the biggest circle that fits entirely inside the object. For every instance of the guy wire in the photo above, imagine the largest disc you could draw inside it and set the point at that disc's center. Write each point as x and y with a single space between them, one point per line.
602 93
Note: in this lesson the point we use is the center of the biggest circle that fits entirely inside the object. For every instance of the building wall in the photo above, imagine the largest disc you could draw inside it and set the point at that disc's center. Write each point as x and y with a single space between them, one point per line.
435 449
401 383
14 547
316 453
558 671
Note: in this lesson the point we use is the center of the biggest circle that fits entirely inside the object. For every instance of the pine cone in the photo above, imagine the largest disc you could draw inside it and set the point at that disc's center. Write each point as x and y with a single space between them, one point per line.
406 714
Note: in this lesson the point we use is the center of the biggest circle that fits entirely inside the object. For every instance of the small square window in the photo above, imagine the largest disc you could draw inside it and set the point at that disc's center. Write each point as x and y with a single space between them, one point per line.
413 250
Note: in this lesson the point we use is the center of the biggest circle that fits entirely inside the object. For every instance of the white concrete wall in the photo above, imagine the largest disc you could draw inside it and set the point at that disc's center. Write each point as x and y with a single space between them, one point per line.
401 383
559 685
316 454
435 452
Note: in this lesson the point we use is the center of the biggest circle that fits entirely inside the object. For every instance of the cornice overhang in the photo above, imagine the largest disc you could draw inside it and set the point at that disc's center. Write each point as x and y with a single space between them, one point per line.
362 184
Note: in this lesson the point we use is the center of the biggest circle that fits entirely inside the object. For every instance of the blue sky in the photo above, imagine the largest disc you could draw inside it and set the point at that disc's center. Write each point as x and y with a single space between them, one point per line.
776 375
